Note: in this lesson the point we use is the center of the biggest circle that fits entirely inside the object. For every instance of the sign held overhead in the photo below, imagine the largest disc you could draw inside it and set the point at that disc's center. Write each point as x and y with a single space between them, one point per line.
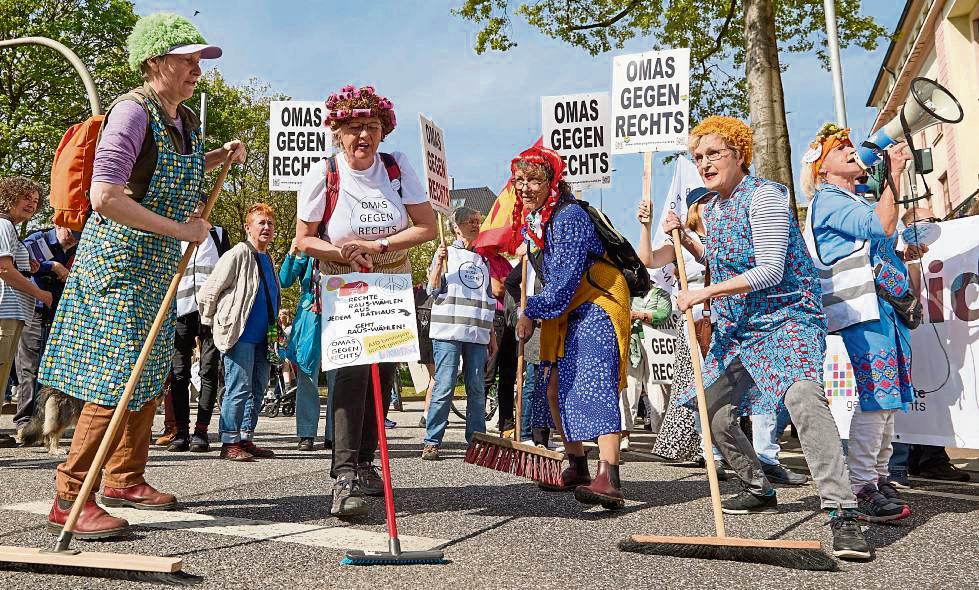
436 174
576 126
297 140
650 101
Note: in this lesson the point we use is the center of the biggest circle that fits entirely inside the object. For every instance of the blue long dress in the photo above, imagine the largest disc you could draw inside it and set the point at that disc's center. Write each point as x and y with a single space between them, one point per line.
880 351
588 373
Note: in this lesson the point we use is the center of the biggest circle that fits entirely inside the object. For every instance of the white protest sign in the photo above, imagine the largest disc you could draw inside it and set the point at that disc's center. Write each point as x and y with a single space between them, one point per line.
368 318
577 127
659 341
685 179
297 140
436 174
944 348
650 101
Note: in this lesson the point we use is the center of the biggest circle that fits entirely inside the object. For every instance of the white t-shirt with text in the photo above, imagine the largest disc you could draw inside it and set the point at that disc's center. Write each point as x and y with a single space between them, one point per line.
368 206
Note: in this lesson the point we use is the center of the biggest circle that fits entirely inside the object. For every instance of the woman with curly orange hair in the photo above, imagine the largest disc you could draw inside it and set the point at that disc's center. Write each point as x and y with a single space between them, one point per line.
769 335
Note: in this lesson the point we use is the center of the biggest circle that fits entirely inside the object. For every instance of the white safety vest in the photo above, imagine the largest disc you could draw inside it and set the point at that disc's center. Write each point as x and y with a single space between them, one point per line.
849 290
464 312
200 267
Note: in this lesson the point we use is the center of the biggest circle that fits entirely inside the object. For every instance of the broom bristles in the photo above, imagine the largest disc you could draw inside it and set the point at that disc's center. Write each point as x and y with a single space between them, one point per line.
800 559
516 459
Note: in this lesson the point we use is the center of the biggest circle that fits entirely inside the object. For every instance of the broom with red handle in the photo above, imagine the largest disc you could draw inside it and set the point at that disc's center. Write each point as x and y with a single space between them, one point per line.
512 456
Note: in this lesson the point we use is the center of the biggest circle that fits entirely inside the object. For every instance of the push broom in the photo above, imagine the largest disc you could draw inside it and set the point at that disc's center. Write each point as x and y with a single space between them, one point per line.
61 559
806 555
512 456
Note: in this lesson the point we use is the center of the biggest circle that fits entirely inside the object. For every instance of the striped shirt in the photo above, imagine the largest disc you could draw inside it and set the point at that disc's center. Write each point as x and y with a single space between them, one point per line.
769 219
14 304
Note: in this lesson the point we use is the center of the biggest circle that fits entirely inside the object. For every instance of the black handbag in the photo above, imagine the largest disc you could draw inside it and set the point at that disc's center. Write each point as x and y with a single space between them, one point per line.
907 307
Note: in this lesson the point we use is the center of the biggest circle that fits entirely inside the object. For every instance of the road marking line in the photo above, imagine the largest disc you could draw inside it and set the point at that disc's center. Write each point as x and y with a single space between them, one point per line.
972 498
285 532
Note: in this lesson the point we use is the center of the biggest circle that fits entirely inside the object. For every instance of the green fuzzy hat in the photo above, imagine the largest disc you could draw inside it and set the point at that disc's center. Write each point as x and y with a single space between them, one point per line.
158 33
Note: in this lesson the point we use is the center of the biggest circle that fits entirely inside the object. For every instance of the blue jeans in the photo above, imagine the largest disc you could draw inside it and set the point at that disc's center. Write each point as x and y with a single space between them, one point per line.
447 354
900 458
697 426
246 375
307 403
527 401
766 429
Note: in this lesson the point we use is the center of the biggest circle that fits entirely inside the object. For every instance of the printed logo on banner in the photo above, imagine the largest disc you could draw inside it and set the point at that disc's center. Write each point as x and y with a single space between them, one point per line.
840 384
577 127
436 174
650 101
344 350
297 140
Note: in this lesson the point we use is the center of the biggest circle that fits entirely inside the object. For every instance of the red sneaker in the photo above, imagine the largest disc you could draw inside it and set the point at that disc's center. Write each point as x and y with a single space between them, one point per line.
256 451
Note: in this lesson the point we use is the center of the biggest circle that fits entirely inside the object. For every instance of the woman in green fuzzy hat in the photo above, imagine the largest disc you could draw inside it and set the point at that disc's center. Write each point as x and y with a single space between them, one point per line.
147 192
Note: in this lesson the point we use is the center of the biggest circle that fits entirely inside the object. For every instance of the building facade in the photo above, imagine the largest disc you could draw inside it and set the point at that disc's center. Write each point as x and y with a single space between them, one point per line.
938 39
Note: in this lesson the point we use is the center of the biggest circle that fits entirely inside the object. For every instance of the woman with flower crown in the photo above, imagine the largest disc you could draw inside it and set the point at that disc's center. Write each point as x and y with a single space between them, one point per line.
353 213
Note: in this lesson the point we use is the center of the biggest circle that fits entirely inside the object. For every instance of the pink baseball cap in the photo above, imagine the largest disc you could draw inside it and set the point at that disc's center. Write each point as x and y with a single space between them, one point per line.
207 51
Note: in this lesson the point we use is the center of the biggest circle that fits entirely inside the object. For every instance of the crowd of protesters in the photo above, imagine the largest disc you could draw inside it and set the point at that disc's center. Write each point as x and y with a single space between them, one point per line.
760 322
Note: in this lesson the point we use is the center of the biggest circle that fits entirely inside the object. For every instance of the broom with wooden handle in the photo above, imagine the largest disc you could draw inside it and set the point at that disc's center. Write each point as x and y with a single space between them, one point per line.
807 555
61 558
512 456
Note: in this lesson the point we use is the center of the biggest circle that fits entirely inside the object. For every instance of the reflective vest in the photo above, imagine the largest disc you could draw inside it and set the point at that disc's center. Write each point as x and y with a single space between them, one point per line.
200 267
849 291
464 311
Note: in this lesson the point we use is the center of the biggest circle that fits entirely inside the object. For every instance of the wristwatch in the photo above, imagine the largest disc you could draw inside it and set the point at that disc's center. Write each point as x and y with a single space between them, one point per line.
385 244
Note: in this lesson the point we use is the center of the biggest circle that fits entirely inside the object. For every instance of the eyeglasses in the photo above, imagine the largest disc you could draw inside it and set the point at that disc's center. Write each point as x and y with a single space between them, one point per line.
928 220
358 128
521 183
711 157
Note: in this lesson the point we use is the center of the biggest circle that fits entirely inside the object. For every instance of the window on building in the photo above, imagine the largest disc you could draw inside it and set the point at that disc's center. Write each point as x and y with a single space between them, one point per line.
946 197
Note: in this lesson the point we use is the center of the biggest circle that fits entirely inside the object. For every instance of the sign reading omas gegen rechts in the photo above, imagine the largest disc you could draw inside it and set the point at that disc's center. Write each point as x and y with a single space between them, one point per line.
436 172
650 101
576 126
297 140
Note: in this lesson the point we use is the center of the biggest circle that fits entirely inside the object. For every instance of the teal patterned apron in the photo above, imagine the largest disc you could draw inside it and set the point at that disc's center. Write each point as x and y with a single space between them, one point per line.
117 284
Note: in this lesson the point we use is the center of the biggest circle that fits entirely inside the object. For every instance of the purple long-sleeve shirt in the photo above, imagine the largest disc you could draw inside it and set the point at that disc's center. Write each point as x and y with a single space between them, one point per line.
122 138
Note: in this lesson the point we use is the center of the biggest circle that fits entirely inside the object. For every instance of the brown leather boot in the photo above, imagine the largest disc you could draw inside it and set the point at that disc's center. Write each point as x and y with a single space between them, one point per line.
575 475
142 496
167 437
605 489
93 523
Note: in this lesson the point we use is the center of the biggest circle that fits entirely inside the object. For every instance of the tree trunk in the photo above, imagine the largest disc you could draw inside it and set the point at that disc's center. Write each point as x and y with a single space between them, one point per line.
772 150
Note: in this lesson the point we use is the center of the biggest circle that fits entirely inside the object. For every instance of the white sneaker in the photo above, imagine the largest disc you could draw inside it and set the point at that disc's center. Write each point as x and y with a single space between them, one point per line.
624 444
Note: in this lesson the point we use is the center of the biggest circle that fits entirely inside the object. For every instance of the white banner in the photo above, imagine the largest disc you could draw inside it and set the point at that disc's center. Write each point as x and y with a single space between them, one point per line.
650 101
577 126
436 174
368 318
685 179
297 140
944 349
659 340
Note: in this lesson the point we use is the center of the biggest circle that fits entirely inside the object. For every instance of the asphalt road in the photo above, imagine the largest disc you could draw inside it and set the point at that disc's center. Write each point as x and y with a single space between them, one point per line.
267 525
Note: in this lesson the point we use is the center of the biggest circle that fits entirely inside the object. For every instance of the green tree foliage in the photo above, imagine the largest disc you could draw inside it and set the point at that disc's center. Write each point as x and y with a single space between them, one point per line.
714 32
41 95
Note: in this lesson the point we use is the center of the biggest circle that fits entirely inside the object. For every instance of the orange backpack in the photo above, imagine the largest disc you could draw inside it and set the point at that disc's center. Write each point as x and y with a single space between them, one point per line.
71 173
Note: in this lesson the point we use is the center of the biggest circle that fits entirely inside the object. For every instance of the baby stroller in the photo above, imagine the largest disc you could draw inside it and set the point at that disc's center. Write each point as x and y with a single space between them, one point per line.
277 398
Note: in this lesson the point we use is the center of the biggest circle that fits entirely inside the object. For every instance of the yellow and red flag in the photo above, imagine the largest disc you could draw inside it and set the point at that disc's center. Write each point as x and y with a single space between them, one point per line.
497 234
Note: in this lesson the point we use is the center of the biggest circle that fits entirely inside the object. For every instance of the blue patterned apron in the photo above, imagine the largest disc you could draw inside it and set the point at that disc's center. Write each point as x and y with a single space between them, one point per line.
779 332
117 284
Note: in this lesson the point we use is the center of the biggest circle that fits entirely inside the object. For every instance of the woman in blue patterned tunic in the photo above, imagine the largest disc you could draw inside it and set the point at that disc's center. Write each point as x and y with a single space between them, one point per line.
146 192
584 309
770 329
853 244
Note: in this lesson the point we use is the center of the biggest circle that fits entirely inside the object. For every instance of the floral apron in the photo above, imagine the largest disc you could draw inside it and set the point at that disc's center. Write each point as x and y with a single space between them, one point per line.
779 333
117 284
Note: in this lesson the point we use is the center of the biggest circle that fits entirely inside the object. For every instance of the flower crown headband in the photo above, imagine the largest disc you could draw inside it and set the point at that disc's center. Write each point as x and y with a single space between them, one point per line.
349 93
829 136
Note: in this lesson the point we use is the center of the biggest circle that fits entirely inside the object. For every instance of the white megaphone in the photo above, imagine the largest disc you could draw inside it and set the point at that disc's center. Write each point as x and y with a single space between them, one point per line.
930 103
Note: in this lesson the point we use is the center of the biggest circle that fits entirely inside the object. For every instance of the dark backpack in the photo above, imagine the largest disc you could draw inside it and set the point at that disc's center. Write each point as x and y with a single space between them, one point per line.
618 250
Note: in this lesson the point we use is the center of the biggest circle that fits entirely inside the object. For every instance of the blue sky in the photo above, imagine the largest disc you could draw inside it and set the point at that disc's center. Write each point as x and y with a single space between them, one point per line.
419 55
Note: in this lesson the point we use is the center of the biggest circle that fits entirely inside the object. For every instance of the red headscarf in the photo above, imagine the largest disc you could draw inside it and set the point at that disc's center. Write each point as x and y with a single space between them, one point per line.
554 165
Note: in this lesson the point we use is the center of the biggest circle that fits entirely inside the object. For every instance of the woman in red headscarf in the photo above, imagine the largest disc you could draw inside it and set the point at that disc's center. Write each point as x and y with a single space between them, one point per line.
583 311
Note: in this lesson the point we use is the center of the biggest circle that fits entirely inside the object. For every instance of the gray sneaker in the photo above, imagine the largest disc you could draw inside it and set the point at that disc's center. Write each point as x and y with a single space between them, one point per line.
347 498
781 475
430 453
369 480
